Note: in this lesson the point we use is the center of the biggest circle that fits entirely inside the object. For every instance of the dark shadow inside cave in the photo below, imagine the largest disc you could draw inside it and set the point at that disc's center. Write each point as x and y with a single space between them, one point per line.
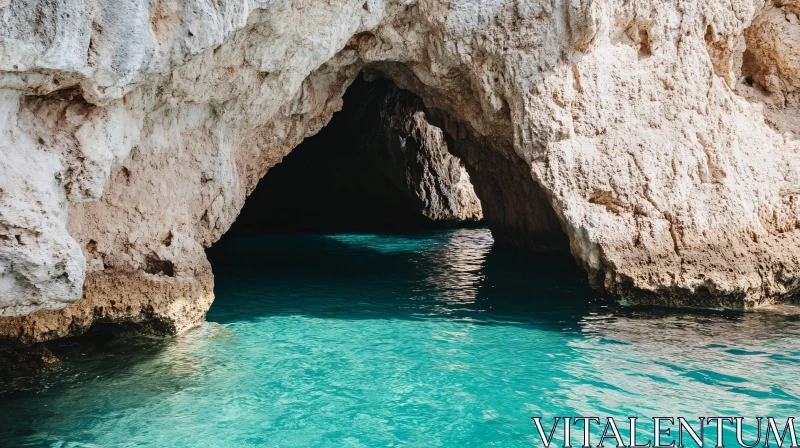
378 165
381 165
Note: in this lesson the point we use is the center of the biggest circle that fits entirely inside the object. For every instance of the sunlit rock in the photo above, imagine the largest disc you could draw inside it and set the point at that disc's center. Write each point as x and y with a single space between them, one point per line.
645 131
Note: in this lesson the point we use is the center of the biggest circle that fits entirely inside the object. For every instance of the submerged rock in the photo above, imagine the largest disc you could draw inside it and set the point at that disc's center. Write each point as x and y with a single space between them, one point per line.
659 136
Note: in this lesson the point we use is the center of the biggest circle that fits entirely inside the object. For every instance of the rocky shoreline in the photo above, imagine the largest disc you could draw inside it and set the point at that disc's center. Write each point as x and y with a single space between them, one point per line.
656 140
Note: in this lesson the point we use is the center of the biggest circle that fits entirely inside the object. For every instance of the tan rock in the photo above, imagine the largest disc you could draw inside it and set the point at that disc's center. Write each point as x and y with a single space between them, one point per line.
135 130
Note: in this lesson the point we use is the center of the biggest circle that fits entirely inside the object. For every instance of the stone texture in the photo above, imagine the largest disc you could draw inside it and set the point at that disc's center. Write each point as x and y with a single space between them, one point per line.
387 118
147 302
661 133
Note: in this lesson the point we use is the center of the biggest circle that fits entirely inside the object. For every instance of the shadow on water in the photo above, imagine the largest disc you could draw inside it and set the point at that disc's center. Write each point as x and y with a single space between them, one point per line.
442 274
104 350
101 377
457 275
104 353
453 274
339 331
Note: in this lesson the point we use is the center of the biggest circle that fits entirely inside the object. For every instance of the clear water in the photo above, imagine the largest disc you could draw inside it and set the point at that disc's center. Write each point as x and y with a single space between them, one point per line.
433 339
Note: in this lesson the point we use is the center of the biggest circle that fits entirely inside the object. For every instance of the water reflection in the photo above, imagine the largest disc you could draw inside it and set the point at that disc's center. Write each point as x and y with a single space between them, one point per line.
733 360
454 274
462 274
436 338
686 330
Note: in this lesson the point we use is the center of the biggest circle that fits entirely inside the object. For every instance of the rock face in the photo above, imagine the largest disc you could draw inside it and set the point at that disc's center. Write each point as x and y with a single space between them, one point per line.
378 164
659 136
436 182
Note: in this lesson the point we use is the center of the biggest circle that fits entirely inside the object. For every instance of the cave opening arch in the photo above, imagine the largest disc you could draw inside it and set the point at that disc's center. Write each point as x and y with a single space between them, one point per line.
342 210
387 162
166 268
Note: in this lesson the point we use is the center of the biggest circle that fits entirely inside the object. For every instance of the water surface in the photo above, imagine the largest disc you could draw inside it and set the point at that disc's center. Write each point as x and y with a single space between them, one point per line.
426 339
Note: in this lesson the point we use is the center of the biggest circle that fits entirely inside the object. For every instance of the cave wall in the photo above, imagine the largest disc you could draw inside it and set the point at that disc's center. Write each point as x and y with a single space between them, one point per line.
378 164
517 208
661 133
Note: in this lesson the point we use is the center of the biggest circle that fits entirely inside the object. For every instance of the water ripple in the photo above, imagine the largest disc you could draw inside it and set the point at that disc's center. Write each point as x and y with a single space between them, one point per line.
433 339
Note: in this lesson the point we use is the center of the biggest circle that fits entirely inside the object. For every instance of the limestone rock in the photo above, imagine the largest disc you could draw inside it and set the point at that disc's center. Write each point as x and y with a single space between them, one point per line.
659 136
436 181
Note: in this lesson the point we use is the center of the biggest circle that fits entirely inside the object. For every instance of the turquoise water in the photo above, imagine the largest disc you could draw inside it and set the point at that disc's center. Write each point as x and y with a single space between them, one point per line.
430 339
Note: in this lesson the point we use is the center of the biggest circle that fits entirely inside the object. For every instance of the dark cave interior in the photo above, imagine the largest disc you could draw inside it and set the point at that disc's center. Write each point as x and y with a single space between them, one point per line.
380 165
358 173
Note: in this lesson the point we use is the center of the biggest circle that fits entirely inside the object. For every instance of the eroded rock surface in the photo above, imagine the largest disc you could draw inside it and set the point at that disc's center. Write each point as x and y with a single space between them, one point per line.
387 118
662 134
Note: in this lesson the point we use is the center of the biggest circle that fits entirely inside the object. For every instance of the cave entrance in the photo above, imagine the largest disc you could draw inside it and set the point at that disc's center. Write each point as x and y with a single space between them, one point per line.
381 165
378 165
351 214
